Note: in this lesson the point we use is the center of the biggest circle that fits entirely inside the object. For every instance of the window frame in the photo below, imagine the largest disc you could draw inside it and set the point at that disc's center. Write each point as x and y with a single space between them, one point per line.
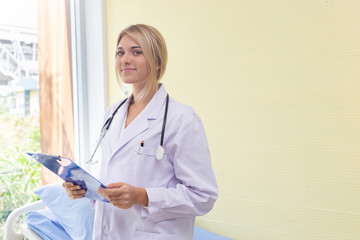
88 40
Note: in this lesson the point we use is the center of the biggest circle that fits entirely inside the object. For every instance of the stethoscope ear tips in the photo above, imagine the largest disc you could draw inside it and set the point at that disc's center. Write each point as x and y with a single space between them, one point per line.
159 153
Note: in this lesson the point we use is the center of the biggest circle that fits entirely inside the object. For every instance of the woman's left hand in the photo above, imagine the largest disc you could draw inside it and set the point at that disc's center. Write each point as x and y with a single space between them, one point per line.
123 195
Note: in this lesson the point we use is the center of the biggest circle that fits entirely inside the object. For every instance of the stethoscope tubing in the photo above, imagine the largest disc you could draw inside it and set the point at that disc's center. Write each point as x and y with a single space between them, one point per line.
107 124
104 130
164 121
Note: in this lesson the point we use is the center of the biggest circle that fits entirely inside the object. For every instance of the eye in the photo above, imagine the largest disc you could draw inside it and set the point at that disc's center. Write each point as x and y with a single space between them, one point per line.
137 53
120 53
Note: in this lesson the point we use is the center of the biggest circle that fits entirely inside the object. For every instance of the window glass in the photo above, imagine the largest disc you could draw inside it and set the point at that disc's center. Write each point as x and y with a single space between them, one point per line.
19 106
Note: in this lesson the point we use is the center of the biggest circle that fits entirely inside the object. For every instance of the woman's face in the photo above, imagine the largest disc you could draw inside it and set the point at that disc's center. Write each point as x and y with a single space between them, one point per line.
131 63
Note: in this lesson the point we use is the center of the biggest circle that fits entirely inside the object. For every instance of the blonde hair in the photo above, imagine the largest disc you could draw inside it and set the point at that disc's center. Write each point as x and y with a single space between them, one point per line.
154 49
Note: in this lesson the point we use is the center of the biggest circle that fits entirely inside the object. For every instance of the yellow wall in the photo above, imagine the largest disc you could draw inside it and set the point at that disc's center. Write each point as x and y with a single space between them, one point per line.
277 86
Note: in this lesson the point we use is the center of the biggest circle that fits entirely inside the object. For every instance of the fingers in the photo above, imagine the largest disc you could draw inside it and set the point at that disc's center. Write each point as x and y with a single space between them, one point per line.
120 197
116 185
110 193
73 191
70 186
113 190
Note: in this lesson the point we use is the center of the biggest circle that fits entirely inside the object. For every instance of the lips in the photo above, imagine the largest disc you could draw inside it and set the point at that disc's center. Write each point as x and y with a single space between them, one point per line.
128 69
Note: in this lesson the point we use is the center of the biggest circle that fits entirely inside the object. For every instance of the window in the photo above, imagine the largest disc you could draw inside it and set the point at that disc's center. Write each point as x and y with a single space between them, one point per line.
87 81
19 106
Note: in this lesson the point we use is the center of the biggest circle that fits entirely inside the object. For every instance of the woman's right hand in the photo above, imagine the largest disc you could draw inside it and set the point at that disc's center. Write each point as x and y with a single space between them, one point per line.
73 191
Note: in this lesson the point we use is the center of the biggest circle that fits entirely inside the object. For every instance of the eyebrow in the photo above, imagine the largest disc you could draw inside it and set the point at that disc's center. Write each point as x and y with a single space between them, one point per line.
130 48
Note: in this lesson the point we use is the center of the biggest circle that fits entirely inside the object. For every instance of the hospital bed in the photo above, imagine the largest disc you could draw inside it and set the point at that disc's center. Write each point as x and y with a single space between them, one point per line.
53 217
24 232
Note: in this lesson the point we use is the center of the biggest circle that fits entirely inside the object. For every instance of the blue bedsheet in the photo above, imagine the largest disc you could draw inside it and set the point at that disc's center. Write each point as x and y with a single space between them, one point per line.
44 223
202 234
66 219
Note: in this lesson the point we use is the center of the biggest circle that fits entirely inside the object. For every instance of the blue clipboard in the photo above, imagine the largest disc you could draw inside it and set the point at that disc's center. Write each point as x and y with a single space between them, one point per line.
69 171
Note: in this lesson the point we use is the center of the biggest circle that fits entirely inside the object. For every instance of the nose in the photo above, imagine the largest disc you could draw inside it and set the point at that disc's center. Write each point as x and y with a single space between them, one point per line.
126 58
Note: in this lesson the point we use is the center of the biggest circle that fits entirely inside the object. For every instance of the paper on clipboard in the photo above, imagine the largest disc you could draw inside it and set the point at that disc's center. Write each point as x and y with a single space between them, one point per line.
69 171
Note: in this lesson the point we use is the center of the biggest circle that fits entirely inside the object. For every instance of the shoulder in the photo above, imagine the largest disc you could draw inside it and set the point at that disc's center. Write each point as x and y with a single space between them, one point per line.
112 107
181 112
184 123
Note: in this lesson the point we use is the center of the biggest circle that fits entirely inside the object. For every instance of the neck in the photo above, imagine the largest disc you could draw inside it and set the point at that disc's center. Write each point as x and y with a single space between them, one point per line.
143 100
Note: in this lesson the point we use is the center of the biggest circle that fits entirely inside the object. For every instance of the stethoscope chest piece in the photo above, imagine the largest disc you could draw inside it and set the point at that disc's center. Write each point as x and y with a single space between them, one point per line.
159 153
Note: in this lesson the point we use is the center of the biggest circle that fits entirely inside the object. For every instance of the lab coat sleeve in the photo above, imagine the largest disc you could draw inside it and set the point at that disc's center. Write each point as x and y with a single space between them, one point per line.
197 191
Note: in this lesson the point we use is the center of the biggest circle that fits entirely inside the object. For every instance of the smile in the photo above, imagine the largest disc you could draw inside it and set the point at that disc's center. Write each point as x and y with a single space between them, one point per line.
128 69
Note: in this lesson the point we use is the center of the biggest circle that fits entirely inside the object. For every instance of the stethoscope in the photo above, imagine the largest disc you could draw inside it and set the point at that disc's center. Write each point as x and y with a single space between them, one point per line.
159 152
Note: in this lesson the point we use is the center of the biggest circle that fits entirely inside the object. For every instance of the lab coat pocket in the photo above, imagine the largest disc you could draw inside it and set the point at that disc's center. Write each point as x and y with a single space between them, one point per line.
148 171
153 236
145 153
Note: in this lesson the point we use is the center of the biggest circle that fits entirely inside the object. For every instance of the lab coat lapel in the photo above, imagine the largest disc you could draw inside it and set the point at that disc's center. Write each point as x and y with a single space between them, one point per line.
116 126
136 127
141 123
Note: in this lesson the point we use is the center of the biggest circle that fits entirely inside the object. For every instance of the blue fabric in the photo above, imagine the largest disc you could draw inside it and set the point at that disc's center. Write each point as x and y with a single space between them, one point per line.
202 234
76 216
45 224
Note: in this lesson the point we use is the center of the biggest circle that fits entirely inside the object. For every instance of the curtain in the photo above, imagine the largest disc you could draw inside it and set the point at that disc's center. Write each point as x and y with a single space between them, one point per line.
55 81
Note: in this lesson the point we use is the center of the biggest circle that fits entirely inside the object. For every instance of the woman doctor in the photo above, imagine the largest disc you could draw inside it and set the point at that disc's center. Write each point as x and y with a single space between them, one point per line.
154 194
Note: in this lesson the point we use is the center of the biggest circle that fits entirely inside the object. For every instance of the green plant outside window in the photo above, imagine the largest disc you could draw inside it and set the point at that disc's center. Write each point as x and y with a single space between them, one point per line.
19 174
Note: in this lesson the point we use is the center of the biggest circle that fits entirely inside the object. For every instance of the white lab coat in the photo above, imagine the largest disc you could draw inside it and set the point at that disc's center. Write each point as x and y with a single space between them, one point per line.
180 186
